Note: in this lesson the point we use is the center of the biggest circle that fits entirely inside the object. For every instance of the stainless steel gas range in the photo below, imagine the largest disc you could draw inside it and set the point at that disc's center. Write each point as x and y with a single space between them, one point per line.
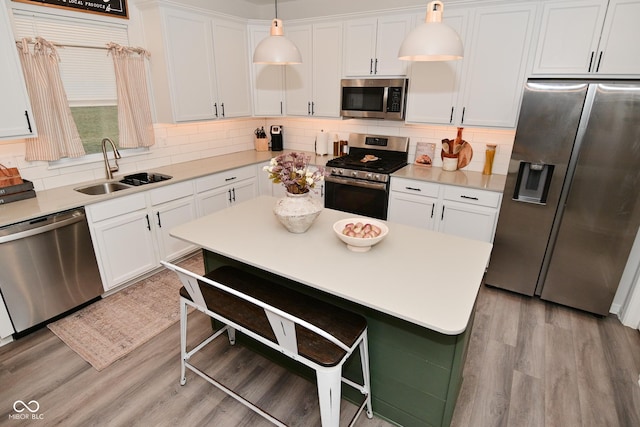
359 181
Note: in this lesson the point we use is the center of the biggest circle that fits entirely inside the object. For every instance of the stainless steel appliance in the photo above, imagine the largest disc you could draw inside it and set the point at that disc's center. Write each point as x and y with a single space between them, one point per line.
374 98
359 181
571 205
47 267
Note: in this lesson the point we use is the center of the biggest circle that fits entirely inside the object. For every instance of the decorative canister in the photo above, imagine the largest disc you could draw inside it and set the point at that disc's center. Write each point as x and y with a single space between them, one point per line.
449 163
489 156
297 212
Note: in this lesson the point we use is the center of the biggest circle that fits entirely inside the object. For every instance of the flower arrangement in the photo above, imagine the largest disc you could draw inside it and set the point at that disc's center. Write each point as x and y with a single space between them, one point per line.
292 170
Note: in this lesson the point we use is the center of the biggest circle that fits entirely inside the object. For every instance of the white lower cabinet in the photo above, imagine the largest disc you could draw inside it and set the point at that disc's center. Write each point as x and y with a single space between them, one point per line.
413 202
121 233
221 190
130 233
459 211
172 206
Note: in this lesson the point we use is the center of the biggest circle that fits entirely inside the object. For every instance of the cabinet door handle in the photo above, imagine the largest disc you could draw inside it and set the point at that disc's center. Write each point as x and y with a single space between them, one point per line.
590 62
375 70
442 215
313 108
280 107
148 222
462 119
599 60
308 108
26 114
159 222
229 191
233 191
215 105
468 197
433 207
222 105
371 66
412 189
451 116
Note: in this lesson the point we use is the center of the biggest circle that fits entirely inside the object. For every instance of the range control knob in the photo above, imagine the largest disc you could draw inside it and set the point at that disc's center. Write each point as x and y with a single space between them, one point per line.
369 176
354 174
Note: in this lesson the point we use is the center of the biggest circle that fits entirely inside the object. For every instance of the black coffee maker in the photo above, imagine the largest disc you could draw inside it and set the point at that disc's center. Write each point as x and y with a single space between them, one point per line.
276 138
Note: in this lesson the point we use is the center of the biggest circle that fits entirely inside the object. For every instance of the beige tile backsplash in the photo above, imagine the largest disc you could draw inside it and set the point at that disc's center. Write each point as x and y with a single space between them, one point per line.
177 143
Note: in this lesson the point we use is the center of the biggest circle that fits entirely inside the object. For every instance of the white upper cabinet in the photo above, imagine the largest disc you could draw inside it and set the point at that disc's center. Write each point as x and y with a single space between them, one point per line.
434 85
620 40
268 79
232 68
191 66
371 46
495 65
313 87
200 67
16 118
485 87
589 36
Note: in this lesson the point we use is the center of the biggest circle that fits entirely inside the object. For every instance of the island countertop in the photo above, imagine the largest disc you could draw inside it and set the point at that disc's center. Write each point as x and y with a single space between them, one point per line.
427 278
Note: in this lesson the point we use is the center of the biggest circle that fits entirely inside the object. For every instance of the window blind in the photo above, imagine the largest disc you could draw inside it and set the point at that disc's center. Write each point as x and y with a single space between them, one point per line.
87 72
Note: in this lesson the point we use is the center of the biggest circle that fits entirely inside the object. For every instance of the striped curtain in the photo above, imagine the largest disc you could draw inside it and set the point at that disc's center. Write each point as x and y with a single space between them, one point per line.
135 126
57 133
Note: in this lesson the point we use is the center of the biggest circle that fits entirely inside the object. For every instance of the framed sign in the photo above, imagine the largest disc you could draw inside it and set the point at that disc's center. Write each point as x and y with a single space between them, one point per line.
116 8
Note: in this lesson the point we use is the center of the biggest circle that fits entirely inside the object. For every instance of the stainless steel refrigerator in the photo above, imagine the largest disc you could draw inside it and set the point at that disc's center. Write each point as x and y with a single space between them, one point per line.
571 205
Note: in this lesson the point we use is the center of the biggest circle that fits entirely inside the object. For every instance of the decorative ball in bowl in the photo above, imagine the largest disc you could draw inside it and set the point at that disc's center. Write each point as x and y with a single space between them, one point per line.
360 234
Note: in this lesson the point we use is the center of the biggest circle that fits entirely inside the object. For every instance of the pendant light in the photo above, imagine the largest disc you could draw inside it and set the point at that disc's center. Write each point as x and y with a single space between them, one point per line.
276 49
432 41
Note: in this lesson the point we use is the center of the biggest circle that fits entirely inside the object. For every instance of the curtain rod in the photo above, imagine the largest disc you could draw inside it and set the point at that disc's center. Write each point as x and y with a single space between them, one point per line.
69 45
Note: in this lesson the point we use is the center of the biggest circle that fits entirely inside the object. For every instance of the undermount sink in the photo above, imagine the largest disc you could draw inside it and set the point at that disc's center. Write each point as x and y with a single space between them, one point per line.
104 188
143 178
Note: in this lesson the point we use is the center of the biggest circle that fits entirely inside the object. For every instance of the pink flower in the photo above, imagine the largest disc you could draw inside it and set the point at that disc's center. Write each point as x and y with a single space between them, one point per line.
292 170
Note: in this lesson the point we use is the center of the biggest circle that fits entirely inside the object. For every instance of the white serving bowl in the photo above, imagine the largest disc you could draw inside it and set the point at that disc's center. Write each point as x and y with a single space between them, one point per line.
360 244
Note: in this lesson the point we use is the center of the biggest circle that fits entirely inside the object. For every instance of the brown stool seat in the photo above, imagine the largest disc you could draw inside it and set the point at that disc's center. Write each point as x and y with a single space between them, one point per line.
343 324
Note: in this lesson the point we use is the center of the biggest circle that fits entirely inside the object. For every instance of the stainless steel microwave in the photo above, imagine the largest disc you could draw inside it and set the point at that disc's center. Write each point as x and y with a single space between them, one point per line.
374 98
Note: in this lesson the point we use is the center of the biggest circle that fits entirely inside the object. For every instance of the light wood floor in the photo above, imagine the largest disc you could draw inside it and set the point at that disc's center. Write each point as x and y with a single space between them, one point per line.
533 363
529 364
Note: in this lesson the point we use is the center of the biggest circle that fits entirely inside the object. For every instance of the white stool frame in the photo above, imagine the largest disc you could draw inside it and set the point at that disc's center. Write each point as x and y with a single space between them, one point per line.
283 324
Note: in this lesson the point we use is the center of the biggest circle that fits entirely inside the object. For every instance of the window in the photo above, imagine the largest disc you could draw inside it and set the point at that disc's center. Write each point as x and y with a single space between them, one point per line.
86 69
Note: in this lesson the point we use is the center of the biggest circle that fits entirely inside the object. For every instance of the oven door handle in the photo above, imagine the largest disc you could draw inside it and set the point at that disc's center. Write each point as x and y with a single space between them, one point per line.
357 183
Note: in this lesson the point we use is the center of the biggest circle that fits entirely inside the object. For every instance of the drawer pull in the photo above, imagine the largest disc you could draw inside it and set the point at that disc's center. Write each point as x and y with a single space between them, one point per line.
230 179
469 197
412 189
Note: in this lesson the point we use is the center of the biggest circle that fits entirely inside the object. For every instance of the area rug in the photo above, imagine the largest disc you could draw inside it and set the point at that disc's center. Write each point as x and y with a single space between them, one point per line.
112 327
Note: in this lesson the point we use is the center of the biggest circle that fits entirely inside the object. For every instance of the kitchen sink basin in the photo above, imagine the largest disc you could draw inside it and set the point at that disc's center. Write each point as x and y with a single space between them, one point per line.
143 178
104 188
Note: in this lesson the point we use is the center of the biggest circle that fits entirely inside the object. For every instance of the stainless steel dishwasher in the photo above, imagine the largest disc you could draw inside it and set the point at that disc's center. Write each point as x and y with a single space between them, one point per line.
47 267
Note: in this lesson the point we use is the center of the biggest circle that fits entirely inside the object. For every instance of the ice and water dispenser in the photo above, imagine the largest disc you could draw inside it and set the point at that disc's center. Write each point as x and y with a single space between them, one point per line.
533 182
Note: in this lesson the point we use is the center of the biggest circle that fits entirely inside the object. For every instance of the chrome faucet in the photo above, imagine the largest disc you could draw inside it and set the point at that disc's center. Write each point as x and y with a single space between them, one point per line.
116 155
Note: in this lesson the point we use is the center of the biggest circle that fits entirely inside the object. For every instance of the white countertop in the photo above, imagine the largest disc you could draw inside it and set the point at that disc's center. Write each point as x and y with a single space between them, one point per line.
62 198
426 278
462 178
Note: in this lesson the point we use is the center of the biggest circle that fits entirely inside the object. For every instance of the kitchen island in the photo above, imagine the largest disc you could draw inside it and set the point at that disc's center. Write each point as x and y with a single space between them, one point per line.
417 289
